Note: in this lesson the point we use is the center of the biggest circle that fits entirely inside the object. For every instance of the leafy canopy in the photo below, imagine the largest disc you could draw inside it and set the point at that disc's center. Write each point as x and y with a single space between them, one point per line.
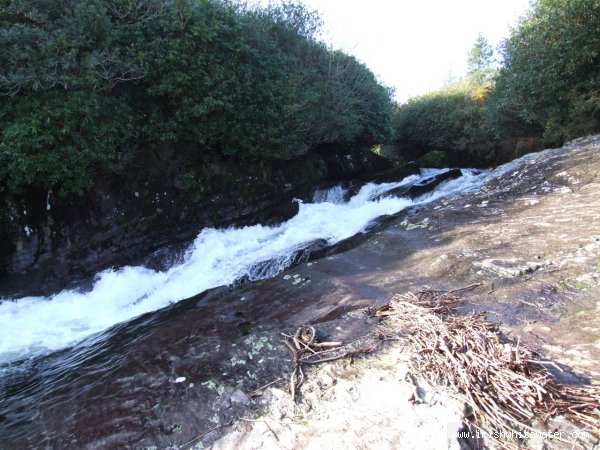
550 77
546 91
91 89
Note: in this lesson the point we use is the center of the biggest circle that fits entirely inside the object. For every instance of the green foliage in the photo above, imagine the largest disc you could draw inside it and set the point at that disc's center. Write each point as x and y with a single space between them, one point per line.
547 91
59 139
434 158
550 79
449 120
151 89
480 60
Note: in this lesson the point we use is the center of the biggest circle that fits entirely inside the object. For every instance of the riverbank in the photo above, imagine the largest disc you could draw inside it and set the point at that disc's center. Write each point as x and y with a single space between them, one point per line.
529 236
180 376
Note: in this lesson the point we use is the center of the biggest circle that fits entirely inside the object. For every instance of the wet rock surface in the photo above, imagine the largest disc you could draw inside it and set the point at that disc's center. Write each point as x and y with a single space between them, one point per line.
423 186
176 377
359 404
49 242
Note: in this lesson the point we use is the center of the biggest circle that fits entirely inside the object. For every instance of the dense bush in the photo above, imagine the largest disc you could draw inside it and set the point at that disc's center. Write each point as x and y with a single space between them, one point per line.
449 120
550 79
547 90
138 89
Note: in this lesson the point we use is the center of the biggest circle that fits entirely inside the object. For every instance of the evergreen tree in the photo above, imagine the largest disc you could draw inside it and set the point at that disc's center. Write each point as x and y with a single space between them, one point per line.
480 59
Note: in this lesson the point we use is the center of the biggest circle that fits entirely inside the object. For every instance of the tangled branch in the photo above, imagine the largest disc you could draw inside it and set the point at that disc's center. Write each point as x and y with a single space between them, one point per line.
503 382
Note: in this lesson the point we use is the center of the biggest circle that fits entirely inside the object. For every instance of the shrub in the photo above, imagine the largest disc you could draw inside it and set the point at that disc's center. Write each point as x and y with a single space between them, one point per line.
450 120
139 89
550 79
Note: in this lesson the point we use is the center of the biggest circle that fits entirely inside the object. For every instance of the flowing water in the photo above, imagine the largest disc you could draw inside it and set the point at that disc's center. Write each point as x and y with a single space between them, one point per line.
37 329
36 325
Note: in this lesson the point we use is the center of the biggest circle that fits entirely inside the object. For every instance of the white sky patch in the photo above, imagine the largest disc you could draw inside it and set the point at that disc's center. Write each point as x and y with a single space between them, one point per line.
415 46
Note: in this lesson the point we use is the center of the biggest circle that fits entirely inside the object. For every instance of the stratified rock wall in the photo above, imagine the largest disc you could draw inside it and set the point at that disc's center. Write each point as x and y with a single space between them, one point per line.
50 242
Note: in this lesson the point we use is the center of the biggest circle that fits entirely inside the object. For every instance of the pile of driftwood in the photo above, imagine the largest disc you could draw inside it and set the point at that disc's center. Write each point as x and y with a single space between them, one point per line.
503 382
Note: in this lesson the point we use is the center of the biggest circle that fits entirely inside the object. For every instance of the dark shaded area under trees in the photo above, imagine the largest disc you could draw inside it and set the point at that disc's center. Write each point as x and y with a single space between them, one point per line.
546 91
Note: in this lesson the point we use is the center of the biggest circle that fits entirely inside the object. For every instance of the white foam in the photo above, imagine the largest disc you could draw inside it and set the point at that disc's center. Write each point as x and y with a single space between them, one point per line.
335 194
35 325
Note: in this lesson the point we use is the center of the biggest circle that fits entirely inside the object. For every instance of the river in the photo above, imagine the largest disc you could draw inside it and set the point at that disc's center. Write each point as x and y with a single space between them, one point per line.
46 340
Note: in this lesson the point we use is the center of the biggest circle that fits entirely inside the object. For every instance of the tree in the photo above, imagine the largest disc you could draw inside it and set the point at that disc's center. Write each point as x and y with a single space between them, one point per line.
480 59
550 78
90 89
451 120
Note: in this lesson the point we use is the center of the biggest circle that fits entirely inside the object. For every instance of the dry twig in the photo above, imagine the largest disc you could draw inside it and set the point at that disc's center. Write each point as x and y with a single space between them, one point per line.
306 349
501 381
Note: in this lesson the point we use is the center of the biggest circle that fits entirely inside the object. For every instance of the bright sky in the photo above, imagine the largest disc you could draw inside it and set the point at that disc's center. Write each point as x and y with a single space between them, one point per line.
415 46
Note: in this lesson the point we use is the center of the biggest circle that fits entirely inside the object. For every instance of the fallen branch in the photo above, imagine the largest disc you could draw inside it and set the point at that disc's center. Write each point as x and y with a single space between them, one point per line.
259 391
306 349
197 438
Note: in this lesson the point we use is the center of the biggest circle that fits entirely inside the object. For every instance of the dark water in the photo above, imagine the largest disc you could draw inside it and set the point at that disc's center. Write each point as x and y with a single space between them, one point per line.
118 389
162 379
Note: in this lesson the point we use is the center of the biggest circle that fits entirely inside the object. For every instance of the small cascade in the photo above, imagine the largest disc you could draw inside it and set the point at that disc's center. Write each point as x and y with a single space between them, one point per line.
38 325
